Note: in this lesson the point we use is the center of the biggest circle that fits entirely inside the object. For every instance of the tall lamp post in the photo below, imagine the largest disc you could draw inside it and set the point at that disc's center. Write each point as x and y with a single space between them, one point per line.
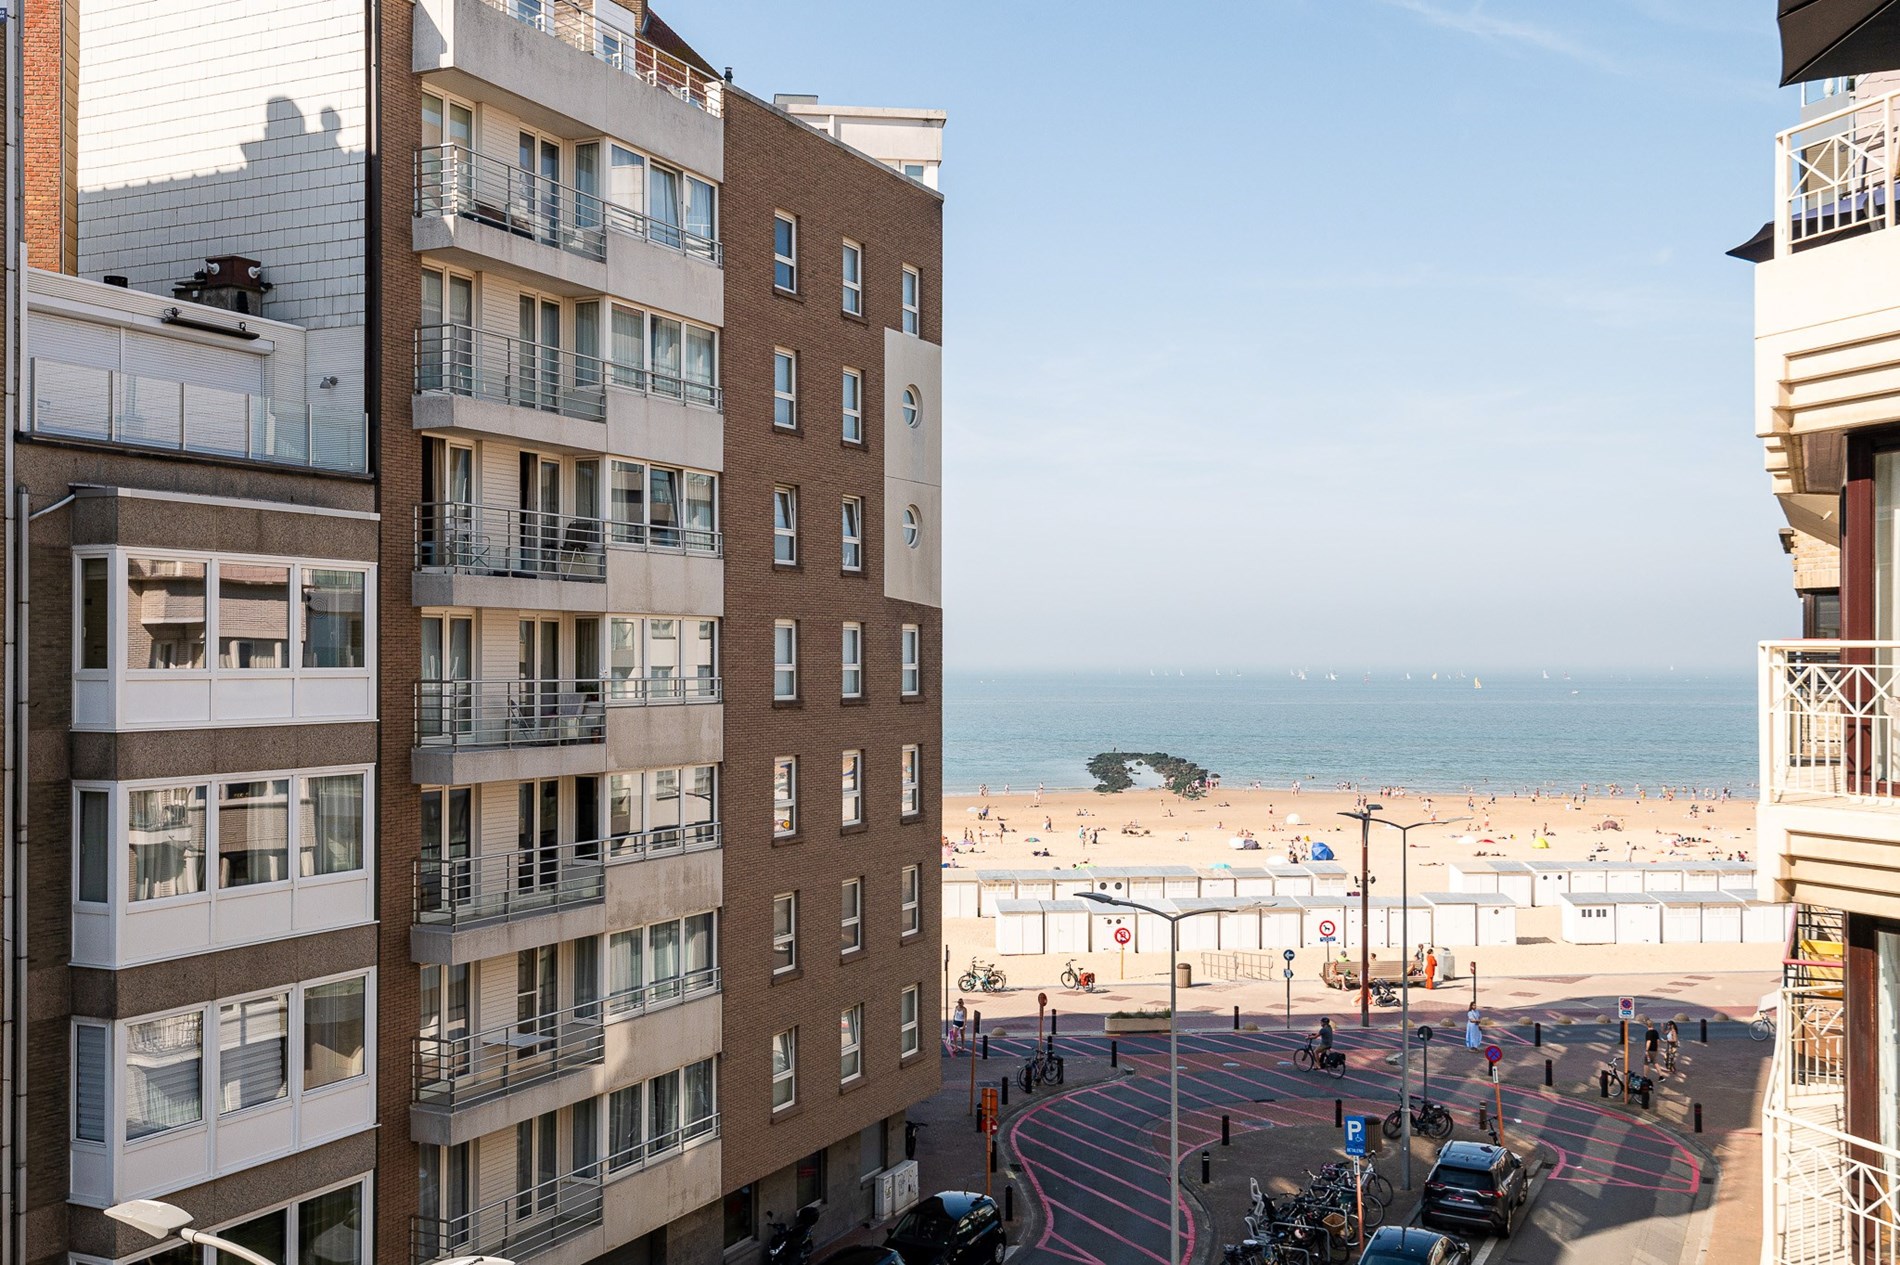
1174 1051
1365 820
163 1220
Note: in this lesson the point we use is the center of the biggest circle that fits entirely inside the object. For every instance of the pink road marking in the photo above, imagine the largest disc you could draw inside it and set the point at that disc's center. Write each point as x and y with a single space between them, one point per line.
1187 1248
1051 1146
1075 1254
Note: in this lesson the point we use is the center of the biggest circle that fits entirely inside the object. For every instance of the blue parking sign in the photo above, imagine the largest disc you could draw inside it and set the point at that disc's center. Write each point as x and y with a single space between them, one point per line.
1355 1135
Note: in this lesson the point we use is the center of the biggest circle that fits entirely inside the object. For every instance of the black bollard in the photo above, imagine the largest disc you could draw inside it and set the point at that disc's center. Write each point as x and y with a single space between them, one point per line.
1603 1083
1537 1034
986 1047
1009 1203
1547 1072
1484 1120
1236 1019
1207 1169
980 1122
1027 1081
1114 1054
1339 1113
1698 1117
1061 1073
1052 1022
979 1021
992 1149
1645 1098
1005 1084
1705 1032
1226 1134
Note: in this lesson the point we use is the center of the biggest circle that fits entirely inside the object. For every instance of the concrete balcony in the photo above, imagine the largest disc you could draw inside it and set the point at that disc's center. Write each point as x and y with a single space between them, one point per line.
473 908
470 1085
563 70
512 731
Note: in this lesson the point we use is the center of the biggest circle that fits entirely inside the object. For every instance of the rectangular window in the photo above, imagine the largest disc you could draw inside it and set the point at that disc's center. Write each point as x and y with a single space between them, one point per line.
853 534
90 1042
330 1228
808 1180
852 653
785 252
784 660
784 526
851 916
784 932
913 301
912 802
623 1127
164 614
871 1150
663 1112
626 968
853 278
853 788
785 796
253 832
92 825
333 1028
332 617
330 824
784 388
850 1037
784 1069
852 395
165 838
913 677
93 591
253 1052
253 616
164 1071
701 1098
908 1037
910 915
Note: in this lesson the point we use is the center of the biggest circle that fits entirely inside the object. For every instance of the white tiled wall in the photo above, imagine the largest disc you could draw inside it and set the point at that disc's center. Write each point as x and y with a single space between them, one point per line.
212 127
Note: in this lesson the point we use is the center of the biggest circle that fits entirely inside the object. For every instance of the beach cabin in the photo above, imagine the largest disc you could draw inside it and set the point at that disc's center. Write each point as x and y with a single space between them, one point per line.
1327 910
1239 929
1471 918
962 895
1475 875
1218 881
1180 882
1329 877
1291 880
1280 924
1199 934
1611 918
1113 880
1763 921
1104 925
1732 875
1623 876
996 885
1681 916
1065 926
1515 879
1587 876
1035 885
1721 917
1413 920
1664 876
1253 880
1549 880
1018 927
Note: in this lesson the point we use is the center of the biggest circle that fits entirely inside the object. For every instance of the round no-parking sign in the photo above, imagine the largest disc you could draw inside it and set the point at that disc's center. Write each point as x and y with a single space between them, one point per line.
1123 935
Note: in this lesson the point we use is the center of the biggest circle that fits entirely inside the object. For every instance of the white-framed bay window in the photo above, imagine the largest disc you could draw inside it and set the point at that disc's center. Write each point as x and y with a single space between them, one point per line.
660 658
327 1226
662 508
653 812
651 352
661 963
167 1100
168 867
656 1118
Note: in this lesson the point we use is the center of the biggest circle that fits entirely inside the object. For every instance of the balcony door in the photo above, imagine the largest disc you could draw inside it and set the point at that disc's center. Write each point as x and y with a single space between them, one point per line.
446 698
540 161
539 668
538 836
445 340
447 814
537 1165
540 533
444 1029
442 168
448 535
538 355
442 1199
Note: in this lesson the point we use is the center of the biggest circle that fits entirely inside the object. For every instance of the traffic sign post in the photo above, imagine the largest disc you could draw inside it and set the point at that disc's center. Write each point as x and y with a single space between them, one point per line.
1356 1148
1288 955
1626 1011
990 1125
1122 936
1491 1055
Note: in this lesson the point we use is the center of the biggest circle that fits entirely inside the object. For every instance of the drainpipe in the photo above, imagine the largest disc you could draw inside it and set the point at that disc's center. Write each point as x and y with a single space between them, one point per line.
12 807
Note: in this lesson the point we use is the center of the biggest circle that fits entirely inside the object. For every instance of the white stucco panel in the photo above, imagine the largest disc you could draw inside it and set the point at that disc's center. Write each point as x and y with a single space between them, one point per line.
913 469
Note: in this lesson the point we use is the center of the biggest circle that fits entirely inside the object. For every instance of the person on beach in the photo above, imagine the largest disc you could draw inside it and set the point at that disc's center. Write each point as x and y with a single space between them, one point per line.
1474 1038
957 1019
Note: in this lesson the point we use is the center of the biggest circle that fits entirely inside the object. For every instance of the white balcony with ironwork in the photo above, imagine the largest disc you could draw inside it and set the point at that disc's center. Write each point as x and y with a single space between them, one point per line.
489 385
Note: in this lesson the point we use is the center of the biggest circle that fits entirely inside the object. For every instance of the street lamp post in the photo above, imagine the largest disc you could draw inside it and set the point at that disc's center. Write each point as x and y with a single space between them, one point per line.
1365 819
163 1220
1174 1052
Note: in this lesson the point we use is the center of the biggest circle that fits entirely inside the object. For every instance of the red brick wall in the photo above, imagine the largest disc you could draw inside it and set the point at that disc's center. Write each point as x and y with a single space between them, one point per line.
775 162
51 54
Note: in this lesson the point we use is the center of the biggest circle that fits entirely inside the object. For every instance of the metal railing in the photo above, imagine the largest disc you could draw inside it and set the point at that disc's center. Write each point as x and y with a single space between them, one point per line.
1810 1038
659 994
1833 174
458 892
461 1069
577 27
1830 720
516 1227
455 180
664 841
112 406
650 1151
491 540
541 713
462 360
1242 965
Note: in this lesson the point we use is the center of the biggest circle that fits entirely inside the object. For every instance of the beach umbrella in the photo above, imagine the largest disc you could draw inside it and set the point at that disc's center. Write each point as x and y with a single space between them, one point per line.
1322 853
972 810
1294 819
1820 38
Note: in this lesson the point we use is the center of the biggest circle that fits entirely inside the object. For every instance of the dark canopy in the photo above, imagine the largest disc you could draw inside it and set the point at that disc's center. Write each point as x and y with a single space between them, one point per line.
1821 38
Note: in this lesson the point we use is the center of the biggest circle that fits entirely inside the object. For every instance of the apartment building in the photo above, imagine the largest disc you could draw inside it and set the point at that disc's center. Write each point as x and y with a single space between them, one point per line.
448 402
1827 409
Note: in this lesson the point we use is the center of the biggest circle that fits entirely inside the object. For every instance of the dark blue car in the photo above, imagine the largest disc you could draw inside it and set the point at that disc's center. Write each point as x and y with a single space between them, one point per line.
952 1227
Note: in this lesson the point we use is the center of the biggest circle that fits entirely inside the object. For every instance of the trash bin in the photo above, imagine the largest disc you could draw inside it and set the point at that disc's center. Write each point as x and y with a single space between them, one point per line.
1184 975
1447 965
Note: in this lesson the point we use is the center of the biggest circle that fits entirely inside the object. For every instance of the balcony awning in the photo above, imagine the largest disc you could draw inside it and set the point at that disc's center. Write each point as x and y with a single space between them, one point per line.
1820 38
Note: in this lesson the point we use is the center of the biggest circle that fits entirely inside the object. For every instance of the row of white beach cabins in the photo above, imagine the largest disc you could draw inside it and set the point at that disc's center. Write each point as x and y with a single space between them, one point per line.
1306 906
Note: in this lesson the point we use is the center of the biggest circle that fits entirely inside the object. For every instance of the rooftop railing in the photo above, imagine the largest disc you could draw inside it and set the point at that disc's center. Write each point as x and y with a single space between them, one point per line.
462 360
455 180
1834 175
488 540
622 49
139 411
1830 720
462 892
472 715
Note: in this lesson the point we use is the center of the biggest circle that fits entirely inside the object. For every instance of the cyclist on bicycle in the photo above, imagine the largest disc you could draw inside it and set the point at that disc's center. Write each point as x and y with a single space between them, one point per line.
1325 1038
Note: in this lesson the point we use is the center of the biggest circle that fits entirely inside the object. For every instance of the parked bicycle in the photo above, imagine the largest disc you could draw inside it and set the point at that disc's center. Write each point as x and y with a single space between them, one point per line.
1428 1118
981 978
1312 1056
1763 1028
1638 1083
1371 1180
1038 1067
1080 981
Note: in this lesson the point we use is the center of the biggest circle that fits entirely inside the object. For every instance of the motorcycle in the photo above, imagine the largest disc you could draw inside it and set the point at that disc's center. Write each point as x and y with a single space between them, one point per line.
791 1244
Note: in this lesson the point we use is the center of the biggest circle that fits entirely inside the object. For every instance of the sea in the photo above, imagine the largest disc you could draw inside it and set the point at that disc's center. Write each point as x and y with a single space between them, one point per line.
1501 731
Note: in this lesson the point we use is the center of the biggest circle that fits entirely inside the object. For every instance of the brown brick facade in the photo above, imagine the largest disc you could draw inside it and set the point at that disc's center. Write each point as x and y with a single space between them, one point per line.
773 162
52 133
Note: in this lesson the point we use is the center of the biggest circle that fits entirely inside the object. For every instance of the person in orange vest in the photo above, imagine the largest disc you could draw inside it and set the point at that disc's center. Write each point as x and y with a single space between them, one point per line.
1431 969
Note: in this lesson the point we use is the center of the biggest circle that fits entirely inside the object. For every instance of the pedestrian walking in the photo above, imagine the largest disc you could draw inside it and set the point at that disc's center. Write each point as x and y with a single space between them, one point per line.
1652 1043
957 1019
1474 1038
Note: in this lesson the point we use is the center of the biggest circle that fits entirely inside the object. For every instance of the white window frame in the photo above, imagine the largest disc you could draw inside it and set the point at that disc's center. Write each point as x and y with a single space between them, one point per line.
910 893
911 643
909 1031
779 259
913 298
784 660
913 527
850 1043
851 788
785 810
851 534
785 942
851 406
852 299
911 407
851 660
786 498
788 1039
788 395
851 915
910 773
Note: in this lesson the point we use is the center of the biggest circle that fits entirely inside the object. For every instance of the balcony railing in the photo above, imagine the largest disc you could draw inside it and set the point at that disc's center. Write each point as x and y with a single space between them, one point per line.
461 360
540 713
622 49
701 982
1834 175
460 892
517 1227
1830 717
462 1069
455 180
662 1146
487 540
112 406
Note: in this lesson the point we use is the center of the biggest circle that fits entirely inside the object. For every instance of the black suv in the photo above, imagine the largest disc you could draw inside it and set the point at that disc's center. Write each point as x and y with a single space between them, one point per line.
1475 1183
952 1227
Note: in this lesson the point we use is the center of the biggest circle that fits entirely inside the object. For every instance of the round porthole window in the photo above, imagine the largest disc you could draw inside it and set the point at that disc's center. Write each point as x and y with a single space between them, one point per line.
913 413
913 526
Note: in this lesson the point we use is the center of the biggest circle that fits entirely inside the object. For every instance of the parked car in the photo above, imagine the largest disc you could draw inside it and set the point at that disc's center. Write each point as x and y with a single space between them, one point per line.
864 1255
1475 1183
1397 1245
951 1227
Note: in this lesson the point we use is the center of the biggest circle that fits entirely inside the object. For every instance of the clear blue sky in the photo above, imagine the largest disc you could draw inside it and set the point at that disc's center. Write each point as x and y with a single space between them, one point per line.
1353 333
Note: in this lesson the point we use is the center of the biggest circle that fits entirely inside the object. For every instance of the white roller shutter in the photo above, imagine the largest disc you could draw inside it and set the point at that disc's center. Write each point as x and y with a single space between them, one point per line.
73 342
198 364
